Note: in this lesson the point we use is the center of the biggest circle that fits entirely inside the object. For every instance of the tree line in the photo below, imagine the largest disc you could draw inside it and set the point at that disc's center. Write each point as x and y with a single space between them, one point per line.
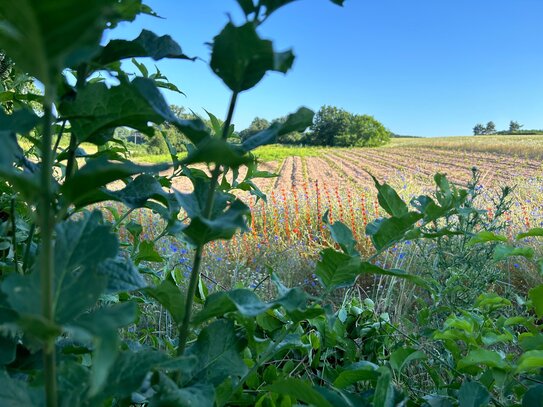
514 128
332 126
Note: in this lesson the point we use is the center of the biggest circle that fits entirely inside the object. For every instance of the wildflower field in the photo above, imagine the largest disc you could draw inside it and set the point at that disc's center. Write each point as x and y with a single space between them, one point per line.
287 230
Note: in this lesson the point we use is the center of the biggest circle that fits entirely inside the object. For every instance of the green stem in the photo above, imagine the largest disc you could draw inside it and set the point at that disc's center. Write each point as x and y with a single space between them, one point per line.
14 235
47 223
195 272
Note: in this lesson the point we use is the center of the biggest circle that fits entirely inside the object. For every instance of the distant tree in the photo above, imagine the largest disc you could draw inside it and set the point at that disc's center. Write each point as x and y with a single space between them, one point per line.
363 131
490 128
478 129
258 124
329 123
514 126
179 111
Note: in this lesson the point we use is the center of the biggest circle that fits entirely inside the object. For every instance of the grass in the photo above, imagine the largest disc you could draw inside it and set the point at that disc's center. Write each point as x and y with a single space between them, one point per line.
529 147
278 152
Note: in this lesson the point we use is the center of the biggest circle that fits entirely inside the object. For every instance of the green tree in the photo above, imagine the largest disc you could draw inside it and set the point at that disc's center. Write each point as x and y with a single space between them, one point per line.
258 124
490 128
514 126
478 129
329 123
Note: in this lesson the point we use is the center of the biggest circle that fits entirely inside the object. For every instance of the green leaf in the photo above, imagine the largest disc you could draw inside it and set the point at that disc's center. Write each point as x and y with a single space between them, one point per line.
473 394
403 356
502 252
246 302
484 357
531 233
215 150
241 58
218 351
147 44
389 199
384 390
147 252
99 172
342 235
247 6
359 371
530 361
385 232
8 346
16 393
121 275
223 226
199 394
536 295
299 390
485 236
298 121
533 396
34 33
170 297
103 324
336 269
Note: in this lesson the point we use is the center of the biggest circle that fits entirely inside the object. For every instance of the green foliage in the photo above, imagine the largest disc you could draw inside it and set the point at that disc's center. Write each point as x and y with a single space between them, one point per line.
73 307
336 127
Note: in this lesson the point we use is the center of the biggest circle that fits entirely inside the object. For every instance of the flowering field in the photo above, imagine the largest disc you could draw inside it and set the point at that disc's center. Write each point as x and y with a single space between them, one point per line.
287 231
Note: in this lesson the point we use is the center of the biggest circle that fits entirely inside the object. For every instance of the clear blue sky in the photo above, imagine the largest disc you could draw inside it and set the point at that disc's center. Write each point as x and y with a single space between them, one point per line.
421 67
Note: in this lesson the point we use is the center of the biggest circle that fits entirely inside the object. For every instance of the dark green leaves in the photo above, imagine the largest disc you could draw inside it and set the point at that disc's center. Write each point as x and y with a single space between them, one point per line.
16 393
298 121
384 232
473 394
241 58
389 199
147 44
35 34
300 390
168 294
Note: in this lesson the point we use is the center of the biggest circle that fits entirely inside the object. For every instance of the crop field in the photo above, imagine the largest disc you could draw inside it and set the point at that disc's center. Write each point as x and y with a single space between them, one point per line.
287 231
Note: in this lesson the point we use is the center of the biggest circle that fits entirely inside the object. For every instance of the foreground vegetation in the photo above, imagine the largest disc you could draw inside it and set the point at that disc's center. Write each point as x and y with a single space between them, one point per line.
120 287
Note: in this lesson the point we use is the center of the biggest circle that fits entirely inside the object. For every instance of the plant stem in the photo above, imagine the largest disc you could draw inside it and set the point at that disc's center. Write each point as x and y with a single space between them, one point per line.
195 272
14 235
47 223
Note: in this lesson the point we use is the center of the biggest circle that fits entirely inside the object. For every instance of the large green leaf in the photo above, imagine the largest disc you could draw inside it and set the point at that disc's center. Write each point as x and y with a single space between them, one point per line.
102 325
199 394
387 231
342 235
36 35
147 44
241 58
16 393
336 269
299 390
99 172
384 390
121 275
473 394
218 351
536 295
359 371
389 199
485 236
403 356
530 361
484 357
223 226
168 294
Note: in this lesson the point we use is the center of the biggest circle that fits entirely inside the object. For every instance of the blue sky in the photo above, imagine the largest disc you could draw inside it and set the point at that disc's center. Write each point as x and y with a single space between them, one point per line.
421 67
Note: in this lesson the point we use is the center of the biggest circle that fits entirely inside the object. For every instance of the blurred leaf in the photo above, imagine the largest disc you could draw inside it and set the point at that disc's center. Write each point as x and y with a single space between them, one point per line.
16 393
533 396
199 394
486 236
147 252
359 371
531 233
121 275
536 295
298 121
247 6
473 394
170 296
403 356
484 357
103 324
299 390
215 150
147 44
35 35
241 58
502 252
384 390
8 345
